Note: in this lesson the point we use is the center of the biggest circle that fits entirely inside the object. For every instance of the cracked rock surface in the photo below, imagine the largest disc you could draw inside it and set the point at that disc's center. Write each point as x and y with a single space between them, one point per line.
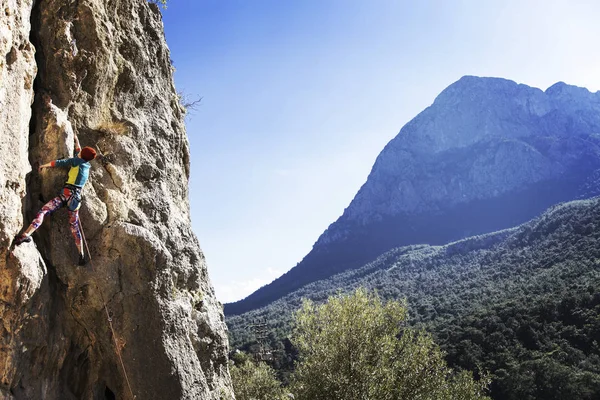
106 66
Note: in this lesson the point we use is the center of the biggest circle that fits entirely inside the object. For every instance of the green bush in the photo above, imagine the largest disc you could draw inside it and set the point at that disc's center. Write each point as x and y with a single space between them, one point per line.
254 381
355 347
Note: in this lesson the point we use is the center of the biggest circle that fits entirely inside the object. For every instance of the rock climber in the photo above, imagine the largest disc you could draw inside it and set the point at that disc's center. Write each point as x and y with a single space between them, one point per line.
70 196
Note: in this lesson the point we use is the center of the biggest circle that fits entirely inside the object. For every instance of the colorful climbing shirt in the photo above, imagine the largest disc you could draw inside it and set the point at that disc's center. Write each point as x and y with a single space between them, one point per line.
79 172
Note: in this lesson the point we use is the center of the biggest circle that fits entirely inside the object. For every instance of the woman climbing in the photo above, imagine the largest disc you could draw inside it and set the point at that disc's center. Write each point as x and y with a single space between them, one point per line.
70 195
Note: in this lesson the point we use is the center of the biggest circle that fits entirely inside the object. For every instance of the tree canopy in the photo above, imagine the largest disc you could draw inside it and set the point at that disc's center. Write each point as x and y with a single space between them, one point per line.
254 380
356 347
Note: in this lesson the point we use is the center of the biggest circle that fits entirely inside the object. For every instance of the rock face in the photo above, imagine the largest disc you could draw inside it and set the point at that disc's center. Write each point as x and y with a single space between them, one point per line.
488 154
106 66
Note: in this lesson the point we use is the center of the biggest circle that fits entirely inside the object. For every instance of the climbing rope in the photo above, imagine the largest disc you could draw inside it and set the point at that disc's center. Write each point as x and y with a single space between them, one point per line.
110 324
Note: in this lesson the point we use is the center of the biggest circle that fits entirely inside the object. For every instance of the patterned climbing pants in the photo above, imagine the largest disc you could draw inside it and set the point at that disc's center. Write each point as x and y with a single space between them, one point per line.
54 205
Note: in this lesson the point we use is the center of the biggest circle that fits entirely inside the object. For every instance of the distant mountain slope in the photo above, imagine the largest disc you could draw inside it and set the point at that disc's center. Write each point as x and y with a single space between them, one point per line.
486 155
522 303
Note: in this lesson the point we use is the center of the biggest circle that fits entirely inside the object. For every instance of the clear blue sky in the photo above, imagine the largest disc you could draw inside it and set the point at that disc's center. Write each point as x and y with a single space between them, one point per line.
299 97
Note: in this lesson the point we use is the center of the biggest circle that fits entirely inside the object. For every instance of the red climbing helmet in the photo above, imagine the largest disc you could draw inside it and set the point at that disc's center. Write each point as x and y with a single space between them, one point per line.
88 154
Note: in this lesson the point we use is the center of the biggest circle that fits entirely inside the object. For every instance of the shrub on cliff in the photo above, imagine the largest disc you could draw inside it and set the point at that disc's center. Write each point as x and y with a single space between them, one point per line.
162 3
356 347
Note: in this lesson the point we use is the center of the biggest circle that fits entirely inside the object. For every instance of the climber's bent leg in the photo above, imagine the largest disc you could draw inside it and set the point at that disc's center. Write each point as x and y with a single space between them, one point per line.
48 209
75 231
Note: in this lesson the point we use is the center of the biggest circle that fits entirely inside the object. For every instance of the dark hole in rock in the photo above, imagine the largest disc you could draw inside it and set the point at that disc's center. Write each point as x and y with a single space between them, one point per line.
11 56
109 395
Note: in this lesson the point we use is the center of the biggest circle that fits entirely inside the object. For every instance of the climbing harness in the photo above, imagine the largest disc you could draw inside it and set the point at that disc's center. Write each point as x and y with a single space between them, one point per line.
108 317
73 201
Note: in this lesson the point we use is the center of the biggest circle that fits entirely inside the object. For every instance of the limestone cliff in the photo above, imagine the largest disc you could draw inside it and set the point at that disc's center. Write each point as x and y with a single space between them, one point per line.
106 67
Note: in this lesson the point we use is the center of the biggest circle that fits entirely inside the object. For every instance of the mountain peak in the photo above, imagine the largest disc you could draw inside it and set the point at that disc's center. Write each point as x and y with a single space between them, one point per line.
474 89
571 93
482 81
557 87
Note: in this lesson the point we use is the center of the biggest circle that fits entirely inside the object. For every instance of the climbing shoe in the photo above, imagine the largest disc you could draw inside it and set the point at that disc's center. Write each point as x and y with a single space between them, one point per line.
22 239
82 260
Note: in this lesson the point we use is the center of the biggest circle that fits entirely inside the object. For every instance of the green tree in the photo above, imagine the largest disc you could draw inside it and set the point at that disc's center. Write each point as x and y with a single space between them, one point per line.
254 381
354 347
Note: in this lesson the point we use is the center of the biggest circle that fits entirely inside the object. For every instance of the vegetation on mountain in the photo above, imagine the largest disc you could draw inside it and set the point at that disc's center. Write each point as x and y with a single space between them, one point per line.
162 3
356 347
522 303
541 346
254 380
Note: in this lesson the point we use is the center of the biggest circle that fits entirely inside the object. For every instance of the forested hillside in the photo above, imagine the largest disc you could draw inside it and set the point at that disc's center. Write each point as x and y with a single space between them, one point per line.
523 303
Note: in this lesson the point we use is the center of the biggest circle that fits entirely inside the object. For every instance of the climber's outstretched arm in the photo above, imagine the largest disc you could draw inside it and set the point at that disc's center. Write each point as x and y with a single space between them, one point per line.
77 145
68 162
47 165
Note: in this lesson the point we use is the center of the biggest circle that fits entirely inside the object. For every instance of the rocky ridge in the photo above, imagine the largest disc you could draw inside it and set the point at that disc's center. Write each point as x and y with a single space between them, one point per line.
106 66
